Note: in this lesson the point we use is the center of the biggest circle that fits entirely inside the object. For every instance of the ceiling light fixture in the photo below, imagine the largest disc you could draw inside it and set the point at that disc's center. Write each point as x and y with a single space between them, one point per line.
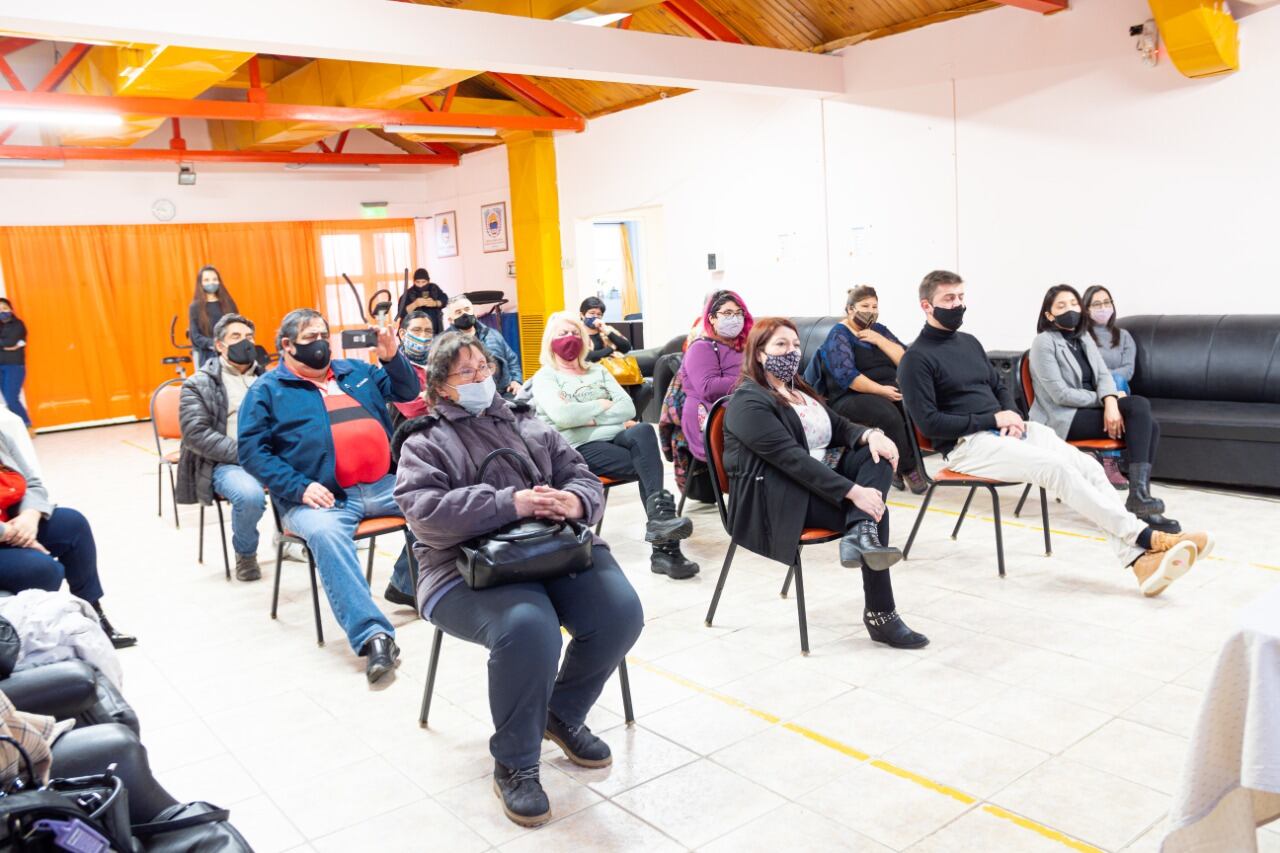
440 130
587 18
332 167
32 164
78 118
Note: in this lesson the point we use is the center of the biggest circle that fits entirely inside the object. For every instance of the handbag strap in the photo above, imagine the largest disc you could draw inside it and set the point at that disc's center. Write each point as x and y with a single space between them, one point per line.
156 827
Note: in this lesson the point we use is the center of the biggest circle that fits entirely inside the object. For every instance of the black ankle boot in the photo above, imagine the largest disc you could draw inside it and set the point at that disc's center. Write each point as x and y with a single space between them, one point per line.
521 793
668 560
383 656
118 640
664 525
888 628
861 547
579 744
1140 491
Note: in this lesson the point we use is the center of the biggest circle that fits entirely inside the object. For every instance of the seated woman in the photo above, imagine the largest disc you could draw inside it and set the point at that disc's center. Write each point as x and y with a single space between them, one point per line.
712 363
1076 397
42 544
438 490
860 367
1119 352
605 341
589 408
794 463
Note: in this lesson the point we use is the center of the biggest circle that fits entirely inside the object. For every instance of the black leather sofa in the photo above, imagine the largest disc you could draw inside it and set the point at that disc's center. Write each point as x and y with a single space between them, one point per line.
1214 386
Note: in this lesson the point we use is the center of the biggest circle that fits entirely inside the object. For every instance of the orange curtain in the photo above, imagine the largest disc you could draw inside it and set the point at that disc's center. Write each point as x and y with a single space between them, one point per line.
98 301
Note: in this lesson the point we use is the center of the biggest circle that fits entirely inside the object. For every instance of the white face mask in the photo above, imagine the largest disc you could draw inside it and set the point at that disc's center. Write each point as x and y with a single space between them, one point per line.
475 397
730 327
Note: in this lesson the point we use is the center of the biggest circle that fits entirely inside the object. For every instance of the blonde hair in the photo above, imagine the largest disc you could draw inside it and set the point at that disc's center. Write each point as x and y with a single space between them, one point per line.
547 356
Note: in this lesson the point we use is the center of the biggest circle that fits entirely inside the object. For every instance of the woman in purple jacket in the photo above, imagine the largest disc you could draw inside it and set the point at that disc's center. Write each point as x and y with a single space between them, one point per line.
439 491
713 363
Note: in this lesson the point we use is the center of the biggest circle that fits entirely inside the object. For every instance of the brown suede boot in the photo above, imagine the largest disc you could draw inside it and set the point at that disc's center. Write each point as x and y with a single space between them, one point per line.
1155 570
1161 541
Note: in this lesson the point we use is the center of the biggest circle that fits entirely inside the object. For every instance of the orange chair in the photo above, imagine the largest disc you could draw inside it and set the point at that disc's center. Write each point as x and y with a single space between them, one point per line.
370 528
166 427
947 477
720 485
609 483
1088 445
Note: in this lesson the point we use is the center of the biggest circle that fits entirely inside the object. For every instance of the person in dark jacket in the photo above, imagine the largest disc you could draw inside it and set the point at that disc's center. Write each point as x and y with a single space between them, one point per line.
605 341
211 301
423 295
795 463
209 412
461 316
317 433
13 360
42 544
440 493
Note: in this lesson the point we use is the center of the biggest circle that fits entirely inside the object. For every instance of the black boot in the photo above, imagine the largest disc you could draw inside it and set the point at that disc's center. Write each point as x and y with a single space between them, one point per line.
861 546
664 525
888 628
1142 504
667 560
521 793
580 746
382 656
398 598
120 641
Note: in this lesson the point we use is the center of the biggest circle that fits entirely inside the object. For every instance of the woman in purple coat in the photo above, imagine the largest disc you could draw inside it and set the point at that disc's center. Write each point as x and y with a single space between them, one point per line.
713 363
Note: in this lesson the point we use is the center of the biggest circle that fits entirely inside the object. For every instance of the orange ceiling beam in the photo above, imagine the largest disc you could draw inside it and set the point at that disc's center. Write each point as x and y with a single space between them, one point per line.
1044 7
6 70
51 81
540 96
9 45
247 111
694 15
54 152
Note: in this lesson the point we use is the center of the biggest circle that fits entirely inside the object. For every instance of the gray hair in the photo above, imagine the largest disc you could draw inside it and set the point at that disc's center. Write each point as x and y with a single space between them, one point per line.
294 322
444 353
457 298
220 328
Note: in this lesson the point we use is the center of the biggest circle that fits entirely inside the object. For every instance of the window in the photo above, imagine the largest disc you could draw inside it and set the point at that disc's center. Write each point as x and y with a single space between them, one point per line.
374 260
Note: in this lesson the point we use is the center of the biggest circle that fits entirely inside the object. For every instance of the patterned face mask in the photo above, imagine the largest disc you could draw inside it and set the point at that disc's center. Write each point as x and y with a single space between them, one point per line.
784 367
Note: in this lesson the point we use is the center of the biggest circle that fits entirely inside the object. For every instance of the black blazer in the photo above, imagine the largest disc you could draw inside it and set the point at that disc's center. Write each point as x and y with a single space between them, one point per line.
772 475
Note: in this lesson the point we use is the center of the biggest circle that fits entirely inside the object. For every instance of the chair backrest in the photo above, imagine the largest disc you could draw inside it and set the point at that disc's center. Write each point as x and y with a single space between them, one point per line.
164 411
920 445
1024 370
713 434
1231 358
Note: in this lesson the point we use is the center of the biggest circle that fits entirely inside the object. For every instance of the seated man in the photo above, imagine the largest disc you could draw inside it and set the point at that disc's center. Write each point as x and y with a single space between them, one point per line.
459 314
956 398
416 334
317 434
208 413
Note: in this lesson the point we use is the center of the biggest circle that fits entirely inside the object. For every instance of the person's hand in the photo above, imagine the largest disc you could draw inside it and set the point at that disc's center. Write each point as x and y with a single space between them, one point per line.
536 503
603 328
628 424
1112 420
569 505
882 447
388 343
318 497
890 392
868 500
607 405
20 532
871 336
1010 424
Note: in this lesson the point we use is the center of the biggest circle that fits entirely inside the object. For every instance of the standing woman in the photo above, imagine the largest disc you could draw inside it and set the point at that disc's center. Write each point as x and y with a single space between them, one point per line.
605 340
211 301
712 363
13 359
1119 351
860 366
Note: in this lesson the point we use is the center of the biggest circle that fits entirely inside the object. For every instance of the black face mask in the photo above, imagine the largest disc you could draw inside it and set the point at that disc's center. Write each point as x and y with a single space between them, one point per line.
1067 321
950 318
242 352
465 322
314 355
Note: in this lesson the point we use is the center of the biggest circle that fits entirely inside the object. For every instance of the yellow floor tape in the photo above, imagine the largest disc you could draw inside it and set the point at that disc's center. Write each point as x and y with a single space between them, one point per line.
858 755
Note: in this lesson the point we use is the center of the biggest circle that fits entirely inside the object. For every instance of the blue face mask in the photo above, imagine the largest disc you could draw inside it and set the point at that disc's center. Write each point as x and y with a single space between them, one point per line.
475 397
591 321
416 348
6 316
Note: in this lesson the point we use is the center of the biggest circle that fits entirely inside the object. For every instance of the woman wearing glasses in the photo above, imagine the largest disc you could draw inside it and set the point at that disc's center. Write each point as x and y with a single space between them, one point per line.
713 363
1117 346
595 415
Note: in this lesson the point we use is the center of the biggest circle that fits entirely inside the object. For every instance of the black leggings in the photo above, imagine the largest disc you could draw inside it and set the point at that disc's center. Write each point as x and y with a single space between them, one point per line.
1141 432
857 466
88 751
875 411
633 453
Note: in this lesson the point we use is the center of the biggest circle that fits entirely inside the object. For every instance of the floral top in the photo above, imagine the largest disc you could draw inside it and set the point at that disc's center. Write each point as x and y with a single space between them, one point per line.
847 357
817 425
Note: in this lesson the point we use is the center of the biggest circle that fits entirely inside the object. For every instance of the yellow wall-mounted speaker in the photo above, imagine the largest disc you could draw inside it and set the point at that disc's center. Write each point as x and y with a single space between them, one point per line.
1200 36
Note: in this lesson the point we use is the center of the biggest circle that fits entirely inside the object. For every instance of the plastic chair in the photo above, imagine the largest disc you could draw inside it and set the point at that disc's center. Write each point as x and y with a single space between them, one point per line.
166 426
947 477
370 528
720 485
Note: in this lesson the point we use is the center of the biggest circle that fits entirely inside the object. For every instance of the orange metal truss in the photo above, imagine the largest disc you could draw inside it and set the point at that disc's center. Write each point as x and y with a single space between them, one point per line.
694 15
54 152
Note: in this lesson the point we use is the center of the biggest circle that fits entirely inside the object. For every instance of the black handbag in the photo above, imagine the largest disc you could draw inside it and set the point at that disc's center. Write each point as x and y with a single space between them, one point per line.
530 549
188 827
10 648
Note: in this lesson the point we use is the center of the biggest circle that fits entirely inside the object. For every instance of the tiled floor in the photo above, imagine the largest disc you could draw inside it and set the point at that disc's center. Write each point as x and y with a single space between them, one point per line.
1058 694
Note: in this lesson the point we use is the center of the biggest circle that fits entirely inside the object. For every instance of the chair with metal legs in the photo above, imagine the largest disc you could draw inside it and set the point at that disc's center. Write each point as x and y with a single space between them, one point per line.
222 535
165 426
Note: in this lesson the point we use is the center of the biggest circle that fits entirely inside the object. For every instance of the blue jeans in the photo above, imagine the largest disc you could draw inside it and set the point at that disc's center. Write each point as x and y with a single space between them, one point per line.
11 378
247 500
73 555
328 534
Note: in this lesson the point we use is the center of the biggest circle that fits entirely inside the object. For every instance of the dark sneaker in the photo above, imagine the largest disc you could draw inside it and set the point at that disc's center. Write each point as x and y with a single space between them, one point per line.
120 641
916 482
664 525
668 560
398 598
579 744
521 793
247 568
1111 466
382 656
861 547
888 628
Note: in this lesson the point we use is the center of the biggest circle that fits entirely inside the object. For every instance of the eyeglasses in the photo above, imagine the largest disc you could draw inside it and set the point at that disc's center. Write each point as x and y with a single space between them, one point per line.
729 315
1097 303
471 375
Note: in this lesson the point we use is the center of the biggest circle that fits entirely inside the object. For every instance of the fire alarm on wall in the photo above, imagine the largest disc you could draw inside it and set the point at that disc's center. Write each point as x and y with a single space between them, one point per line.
715 262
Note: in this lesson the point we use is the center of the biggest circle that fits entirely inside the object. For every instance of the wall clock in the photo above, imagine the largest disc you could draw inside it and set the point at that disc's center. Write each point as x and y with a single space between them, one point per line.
163 209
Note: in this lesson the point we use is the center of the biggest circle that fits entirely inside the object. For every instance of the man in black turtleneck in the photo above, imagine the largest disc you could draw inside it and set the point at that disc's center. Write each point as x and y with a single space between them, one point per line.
956 398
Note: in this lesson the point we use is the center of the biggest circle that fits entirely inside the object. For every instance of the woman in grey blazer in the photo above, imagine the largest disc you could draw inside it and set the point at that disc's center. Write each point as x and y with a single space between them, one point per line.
1076 396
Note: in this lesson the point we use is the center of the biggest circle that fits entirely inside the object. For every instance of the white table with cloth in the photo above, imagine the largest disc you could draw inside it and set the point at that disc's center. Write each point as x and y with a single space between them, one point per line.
1230 783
